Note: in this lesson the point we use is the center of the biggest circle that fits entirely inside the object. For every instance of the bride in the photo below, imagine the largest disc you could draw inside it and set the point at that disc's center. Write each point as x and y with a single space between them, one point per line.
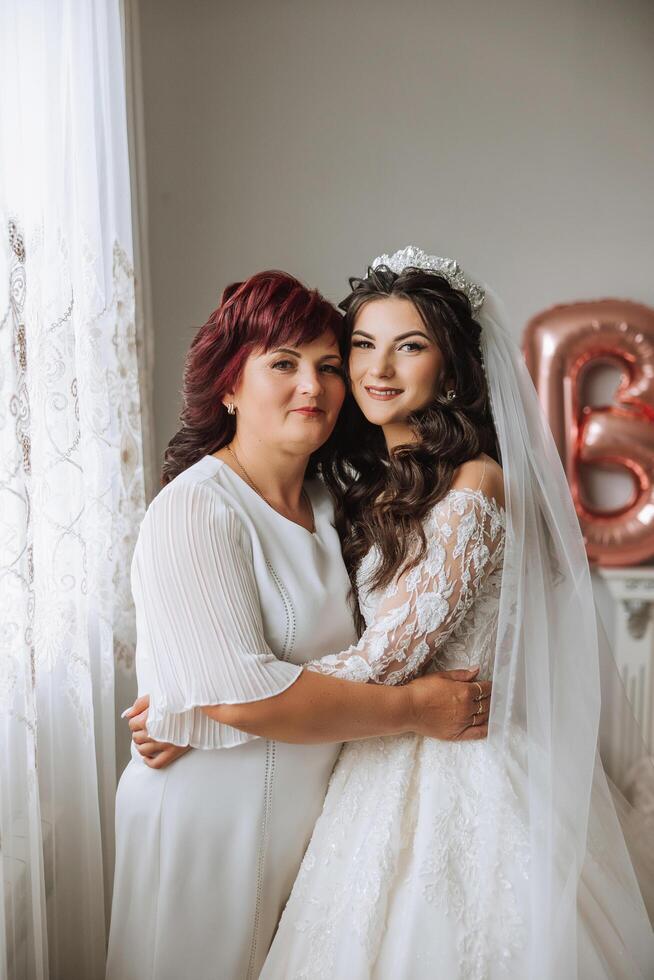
495 858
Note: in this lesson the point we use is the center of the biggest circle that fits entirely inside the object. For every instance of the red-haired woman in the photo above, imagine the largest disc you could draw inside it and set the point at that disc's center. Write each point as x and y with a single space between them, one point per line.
238 581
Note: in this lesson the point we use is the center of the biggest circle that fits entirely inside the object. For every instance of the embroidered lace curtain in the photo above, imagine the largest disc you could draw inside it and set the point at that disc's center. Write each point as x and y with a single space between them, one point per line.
71 476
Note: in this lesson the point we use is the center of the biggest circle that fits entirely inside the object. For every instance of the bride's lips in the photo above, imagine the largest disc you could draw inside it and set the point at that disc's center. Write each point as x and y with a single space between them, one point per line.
382 393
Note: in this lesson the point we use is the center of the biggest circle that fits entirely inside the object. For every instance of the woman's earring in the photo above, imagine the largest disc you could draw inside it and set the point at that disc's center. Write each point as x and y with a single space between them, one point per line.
450 394
231 408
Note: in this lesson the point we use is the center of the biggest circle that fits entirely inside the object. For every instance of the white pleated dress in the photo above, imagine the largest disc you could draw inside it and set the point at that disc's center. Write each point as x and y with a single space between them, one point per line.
231 598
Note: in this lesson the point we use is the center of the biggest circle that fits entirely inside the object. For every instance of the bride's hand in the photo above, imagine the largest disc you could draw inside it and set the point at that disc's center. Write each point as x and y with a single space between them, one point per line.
451 705
156 755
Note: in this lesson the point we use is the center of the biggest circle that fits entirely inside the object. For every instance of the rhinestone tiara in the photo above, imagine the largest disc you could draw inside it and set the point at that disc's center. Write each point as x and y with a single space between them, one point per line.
414 258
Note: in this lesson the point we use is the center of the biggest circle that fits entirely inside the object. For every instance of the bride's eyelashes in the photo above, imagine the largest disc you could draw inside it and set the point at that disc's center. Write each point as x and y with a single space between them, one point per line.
410 346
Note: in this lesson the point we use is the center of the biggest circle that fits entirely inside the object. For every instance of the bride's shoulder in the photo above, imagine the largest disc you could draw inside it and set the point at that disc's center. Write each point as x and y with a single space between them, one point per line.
481 475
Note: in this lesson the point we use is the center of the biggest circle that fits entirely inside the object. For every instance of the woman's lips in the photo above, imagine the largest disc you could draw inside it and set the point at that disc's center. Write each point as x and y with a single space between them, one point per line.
383 394
309 411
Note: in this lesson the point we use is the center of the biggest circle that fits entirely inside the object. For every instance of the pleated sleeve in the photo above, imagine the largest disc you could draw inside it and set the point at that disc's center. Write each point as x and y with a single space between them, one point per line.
200 629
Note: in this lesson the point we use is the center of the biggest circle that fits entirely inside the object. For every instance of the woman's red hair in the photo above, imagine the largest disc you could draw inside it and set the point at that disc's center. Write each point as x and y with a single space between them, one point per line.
270 309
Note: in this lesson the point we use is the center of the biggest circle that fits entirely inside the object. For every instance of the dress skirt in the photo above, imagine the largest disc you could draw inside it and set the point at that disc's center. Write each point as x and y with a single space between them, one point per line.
418 869
208 850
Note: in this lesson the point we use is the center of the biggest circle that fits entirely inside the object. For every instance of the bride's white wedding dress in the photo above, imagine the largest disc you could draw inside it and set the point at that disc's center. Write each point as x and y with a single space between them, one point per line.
406 875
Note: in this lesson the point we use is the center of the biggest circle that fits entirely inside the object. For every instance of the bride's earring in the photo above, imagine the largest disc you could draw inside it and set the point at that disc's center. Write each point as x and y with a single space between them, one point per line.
450 394
231 408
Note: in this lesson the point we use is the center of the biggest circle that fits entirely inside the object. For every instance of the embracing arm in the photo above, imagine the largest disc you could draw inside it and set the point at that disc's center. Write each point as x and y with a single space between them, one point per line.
202 624
326 709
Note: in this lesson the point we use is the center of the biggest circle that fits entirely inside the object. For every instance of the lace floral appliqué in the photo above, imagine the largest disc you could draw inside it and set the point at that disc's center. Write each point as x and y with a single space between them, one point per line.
410 621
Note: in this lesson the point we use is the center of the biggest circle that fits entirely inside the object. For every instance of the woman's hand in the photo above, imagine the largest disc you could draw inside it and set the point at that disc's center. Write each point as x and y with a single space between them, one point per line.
156 755
450 705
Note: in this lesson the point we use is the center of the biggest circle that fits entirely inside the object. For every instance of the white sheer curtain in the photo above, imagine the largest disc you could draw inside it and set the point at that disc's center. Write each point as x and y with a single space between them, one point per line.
71 475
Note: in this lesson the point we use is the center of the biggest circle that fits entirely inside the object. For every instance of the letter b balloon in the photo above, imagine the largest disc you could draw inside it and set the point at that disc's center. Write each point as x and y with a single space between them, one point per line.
562 345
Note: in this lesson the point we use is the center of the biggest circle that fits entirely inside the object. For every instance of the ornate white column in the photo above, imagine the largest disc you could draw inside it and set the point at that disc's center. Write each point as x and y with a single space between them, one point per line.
633 592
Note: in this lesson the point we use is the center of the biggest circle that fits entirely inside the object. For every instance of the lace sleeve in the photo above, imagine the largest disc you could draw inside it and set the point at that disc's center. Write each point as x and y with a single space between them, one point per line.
420 610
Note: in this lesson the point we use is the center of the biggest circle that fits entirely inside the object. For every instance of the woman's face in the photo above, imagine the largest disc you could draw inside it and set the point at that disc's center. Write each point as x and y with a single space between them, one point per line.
290 397
396 367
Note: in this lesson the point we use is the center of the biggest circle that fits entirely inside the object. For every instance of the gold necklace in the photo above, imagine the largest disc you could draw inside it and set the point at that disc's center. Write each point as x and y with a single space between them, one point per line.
303 492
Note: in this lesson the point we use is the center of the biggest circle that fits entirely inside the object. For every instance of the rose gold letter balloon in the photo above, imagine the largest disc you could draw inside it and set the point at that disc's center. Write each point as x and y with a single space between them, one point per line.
561 345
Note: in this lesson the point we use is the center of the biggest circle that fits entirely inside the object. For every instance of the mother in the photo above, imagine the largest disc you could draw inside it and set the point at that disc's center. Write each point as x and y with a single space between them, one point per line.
238 580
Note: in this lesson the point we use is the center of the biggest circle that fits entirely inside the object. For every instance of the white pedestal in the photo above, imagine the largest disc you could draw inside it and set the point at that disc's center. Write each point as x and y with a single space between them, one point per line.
633 592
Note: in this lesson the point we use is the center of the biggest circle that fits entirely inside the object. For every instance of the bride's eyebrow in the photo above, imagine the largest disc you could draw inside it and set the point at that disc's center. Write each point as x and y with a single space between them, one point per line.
402 336
412 333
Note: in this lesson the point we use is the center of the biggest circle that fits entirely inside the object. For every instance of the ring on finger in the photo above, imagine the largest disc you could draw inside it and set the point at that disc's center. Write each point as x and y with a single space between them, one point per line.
479 709
481 691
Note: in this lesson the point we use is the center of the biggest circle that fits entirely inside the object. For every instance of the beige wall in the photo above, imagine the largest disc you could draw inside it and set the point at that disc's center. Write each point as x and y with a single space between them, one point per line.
515 135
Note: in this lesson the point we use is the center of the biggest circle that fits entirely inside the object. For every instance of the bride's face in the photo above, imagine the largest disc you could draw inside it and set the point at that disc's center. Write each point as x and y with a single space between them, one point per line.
396 367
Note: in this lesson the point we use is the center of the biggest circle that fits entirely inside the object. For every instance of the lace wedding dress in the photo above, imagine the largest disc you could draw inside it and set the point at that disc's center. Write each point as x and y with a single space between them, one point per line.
403 877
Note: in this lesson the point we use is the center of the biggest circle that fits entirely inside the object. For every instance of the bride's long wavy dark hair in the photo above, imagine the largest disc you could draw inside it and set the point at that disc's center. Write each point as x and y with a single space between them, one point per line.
380 499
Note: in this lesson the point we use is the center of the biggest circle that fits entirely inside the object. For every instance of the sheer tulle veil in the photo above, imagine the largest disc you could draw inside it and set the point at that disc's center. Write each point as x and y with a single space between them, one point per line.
550 657
552 666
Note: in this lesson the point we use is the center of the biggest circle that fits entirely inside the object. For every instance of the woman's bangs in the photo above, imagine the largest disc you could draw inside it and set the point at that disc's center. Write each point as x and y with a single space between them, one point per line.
301 320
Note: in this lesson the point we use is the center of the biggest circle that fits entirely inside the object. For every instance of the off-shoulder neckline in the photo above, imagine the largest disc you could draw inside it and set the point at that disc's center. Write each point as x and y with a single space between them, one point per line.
490 504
